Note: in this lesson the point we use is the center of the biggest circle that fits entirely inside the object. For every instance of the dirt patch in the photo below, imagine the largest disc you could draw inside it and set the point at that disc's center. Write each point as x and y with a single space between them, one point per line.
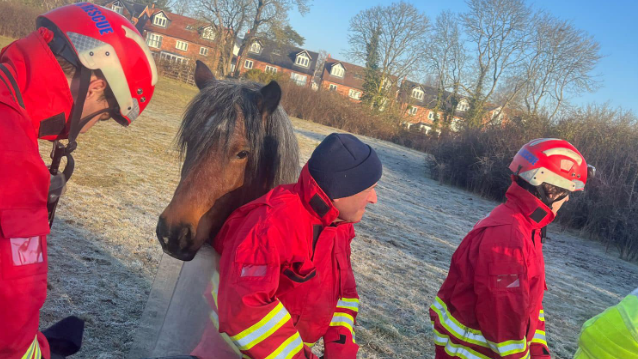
103 251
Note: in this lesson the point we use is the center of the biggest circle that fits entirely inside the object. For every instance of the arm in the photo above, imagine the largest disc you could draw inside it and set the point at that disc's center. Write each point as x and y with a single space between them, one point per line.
340 340
249 313
502 293
538 348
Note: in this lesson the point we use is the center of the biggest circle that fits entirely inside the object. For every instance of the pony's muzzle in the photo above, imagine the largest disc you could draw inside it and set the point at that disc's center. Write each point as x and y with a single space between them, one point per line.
177 241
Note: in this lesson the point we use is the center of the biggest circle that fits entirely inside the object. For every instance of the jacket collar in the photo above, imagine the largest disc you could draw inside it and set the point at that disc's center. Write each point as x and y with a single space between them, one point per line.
42 83
538 215
314 199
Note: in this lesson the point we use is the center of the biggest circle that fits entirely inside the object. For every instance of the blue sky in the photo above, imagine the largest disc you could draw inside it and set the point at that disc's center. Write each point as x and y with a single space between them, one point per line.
613 23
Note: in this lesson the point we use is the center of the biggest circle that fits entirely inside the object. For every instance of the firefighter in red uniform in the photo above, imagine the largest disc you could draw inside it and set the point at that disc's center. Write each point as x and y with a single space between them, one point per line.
490 305
83 64
285 277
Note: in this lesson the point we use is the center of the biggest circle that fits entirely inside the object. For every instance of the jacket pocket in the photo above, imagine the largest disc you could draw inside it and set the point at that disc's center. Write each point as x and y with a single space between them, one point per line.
506 276
296 281
23 247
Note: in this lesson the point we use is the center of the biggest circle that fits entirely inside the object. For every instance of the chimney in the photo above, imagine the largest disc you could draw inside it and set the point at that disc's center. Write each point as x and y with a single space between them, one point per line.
328 55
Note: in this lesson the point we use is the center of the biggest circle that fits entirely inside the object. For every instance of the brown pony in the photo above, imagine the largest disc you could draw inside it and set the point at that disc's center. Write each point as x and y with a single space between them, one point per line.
237 143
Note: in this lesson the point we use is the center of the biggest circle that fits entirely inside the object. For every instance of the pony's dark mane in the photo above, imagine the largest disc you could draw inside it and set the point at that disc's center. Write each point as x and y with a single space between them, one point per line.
210 121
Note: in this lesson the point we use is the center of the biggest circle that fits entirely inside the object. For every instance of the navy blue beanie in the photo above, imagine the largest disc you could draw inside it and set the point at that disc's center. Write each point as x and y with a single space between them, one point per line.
343 166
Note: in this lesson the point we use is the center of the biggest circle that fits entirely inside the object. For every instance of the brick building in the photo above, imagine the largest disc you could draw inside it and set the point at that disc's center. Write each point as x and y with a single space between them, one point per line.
295 63
344 78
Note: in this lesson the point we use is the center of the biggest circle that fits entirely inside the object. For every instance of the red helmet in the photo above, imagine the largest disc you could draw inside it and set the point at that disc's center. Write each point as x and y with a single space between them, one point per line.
553 161
101 39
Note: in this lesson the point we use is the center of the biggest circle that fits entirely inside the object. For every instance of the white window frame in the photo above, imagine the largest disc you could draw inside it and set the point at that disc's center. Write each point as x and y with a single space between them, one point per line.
337 71
248 62
431 116
417 93
255 47
302 60
203 51
354 94
184 47
299 79
271 70
332 87
413 110
174 58
208 33
154 40
160 20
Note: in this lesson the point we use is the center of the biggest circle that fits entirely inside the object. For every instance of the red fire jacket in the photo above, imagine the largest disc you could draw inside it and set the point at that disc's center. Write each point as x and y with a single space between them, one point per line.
286 278
42 92
490 305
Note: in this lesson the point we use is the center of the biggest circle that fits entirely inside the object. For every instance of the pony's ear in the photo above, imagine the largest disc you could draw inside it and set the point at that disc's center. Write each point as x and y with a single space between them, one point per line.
270 97
203 75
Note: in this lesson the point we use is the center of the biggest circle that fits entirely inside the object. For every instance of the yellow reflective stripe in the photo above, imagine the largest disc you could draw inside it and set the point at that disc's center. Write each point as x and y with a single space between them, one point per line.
215 291
34 350
456 350
541 316
474 336
344 320
215 319
262 329
349 303
539 338
310 345
288 349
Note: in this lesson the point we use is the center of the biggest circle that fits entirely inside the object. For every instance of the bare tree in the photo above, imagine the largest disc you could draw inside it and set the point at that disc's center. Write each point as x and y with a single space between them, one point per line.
499 29
560 62
445 60
228 18
264 15
402 30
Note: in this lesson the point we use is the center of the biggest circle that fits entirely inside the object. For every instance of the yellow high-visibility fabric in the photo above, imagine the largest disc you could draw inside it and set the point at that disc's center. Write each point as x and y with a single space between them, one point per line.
612 334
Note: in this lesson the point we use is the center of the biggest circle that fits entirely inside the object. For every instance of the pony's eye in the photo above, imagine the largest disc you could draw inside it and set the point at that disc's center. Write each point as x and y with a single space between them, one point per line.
243 154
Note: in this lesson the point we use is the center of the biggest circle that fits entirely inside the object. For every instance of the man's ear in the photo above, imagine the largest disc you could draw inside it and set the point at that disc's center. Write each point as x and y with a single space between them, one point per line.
97 86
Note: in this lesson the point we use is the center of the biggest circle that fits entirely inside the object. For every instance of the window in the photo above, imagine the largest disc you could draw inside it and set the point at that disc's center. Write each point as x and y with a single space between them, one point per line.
117 7
203 51
271 70
431 115
248 64
332 87
354 94
173 58
154 40
463 106
208 33
337 70
181 45
159 20
412 110
298 78
255 47
417 94
302 60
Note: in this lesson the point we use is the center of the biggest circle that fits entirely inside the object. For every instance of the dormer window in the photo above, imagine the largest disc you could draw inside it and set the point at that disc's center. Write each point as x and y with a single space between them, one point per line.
302 60
418 94
255 47
208 33
337 70
117 7
160 20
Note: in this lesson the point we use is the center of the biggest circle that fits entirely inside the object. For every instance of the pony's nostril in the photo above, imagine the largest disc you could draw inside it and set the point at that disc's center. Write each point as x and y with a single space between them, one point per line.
185 236
162 232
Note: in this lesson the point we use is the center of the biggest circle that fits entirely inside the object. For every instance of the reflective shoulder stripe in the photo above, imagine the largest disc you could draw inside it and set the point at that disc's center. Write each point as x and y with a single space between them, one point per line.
262 329
541 315
288 349
34 350
349 303
215 291
344 320
310 345
474 336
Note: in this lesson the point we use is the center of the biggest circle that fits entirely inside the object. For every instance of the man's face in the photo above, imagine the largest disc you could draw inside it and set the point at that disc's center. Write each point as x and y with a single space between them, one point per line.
557 205
351 209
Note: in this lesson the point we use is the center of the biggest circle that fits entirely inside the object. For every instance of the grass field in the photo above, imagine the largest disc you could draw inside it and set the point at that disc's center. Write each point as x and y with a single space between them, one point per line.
4 41
103 251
